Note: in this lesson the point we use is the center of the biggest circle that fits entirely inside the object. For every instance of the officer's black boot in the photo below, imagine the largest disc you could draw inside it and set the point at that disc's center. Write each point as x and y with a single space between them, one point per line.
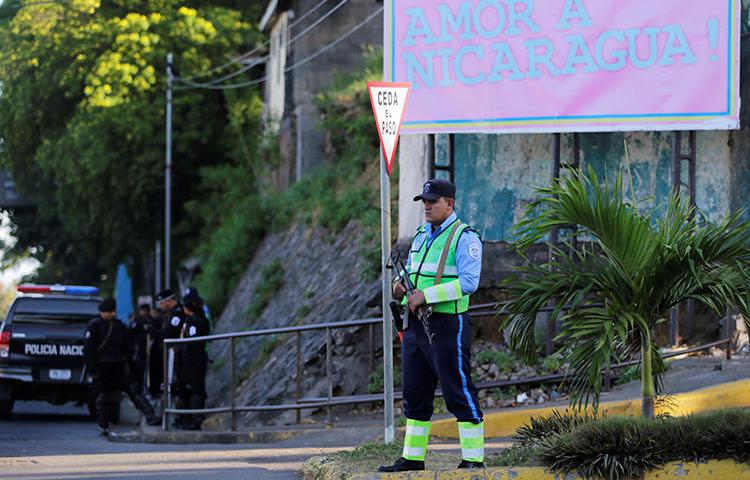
403 465
182 420
144 406
470 464
100 404
196 402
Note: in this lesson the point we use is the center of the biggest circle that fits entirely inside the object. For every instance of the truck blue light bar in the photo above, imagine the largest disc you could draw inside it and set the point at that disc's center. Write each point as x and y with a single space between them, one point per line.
64 289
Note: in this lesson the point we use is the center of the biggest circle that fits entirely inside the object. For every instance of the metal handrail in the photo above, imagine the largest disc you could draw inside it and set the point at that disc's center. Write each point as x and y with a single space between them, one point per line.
274 331
328 401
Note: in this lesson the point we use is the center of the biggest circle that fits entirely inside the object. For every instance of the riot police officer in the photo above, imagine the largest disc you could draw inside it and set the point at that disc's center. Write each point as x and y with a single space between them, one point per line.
192 361
445 248
107 351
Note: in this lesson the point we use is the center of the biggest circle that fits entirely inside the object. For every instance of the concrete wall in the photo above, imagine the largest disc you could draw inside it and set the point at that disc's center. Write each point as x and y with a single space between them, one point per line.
275 86
315 76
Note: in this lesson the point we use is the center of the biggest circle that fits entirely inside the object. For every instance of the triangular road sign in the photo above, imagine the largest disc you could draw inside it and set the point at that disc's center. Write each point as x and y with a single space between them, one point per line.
388 100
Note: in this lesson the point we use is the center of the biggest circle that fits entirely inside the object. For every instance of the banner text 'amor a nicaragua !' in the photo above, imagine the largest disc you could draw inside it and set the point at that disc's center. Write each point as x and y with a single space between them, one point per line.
565 65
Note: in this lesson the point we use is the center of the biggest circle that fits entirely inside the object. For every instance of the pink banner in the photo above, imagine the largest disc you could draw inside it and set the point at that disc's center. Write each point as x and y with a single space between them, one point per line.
565 65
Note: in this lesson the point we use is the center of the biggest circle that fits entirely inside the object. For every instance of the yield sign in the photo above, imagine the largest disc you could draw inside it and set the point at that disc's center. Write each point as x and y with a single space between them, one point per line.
388 101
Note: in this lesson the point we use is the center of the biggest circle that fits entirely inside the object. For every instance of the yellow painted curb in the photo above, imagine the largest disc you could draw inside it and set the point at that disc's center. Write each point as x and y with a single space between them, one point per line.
504 424
711 470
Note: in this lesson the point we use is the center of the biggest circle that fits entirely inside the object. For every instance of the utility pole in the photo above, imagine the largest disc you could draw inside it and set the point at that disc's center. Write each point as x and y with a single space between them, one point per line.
168 179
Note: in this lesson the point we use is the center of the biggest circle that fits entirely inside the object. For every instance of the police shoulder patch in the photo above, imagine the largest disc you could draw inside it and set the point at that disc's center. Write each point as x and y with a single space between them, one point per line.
175 321
475 250
192 330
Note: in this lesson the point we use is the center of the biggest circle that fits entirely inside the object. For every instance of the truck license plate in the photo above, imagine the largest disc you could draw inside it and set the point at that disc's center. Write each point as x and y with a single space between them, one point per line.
56 374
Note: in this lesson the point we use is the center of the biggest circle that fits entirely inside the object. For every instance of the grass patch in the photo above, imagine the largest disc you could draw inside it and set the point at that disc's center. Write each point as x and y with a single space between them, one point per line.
504 360
376 378
374 454
272 279
515 456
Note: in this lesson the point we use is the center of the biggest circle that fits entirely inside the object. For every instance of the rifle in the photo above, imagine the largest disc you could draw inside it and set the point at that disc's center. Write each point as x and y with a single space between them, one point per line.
423 312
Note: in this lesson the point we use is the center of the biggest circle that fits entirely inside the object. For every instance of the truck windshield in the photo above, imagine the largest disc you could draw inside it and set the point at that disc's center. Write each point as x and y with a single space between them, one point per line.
53 310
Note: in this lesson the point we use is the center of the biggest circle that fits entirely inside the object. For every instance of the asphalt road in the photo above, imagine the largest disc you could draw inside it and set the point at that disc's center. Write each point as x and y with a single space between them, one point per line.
47 442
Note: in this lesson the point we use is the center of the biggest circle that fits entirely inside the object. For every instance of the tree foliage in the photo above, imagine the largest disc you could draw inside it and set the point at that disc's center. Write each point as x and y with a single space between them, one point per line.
82 123
623 283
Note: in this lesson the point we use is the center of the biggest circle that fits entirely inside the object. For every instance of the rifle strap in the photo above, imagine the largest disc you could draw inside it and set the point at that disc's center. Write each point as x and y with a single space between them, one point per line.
444 254
106 337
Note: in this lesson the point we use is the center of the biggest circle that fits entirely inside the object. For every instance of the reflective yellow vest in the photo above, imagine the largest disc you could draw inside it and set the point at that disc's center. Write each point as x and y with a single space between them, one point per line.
446 297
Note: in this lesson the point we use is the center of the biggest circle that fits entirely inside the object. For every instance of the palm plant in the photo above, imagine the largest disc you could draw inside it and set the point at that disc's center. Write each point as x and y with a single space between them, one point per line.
619 285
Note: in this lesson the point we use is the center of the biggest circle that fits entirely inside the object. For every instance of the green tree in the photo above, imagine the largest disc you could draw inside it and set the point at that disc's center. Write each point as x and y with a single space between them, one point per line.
636 267
82 122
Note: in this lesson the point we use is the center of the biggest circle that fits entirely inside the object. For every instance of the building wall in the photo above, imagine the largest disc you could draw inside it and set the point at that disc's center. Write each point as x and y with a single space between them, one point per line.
315 76
275 86
496 175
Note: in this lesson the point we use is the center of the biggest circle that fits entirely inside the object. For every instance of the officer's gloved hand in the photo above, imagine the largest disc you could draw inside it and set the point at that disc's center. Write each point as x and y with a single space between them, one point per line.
399 291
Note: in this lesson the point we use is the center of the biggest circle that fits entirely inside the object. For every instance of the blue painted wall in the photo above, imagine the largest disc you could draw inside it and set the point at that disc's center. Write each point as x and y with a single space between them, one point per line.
496 175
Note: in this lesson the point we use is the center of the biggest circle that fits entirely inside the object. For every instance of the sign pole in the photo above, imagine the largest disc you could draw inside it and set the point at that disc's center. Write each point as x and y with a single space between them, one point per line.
388 101
385 246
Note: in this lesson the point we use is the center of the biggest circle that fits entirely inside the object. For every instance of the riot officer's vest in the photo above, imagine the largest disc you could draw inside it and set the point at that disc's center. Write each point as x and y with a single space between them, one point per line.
424 264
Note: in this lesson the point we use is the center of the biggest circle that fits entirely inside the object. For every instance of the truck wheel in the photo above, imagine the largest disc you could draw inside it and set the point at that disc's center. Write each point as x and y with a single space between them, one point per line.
6 408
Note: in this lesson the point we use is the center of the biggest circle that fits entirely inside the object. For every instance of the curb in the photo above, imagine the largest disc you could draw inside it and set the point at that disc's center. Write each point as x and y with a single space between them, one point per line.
717 397
189 438
322 468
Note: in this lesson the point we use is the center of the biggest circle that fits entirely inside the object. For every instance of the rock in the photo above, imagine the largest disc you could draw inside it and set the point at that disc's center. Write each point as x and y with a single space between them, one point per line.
309 259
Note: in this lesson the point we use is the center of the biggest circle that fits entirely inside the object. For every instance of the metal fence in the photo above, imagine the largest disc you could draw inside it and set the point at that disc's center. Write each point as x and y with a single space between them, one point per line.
329 401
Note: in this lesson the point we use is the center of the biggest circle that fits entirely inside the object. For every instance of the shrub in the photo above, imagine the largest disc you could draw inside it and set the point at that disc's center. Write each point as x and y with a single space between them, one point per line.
620 448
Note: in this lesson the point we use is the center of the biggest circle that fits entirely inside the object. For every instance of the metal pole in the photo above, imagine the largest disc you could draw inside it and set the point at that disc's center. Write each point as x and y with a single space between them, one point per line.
164 392
233 383
168 179
329 376
298 376
674 314
385 246
157 267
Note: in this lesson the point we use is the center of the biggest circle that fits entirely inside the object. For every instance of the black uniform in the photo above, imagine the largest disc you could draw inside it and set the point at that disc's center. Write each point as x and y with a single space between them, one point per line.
192 362
137 334
167 325
107 351
156 355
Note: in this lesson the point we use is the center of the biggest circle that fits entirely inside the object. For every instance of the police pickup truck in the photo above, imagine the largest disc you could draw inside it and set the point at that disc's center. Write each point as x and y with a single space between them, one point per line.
41 345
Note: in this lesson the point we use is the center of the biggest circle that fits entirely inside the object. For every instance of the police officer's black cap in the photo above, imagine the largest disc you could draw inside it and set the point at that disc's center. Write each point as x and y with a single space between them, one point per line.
108 305
436 188
166 294
192 301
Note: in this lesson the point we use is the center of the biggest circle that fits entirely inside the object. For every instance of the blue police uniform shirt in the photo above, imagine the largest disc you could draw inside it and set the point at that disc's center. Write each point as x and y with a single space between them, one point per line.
468 253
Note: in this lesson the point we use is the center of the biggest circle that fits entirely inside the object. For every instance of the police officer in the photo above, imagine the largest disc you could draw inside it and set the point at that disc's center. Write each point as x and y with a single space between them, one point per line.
173 316
107 351
192 361
443 239
168 326
155 352
207 313
137 333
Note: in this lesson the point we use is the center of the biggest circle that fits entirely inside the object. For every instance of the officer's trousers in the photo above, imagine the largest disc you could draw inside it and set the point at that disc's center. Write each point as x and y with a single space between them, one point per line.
190 388
112 377
447 361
